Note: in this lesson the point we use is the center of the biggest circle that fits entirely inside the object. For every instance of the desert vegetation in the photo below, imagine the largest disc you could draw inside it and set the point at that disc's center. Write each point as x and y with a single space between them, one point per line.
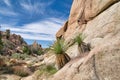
82 46
61 57
47 69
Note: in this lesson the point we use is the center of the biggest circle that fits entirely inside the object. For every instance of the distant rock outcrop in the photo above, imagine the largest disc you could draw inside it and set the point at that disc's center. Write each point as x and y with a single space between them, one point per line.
36 48
12 43
35 45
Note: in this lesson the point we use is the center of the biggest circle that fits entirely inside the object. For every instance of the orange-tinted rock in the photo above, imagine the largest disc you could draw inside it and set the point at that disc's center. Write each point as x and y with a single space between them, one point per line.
61 32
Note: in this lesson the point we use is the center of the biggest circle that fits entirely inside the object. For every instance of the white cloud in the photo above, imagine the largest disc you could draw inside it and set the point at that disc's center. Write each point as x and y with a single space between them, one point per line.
27 7
37 7
7 12
36 36
7 2
42 30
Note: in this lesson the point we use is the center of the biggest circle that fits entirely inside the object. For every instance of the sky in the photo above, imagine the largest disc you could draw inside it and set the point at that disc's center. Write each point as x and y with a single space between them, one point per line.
34 19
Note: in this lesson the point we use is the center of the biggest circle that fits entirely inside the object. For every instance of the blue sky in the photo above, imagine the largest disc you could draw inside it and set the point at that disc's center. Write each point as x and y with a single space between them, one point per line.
34 19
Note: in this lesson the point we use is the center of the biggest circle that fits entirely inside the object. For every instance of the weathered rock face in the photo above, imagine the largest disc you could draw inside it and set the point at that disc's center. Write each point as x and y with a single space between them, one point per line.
83 11
99 22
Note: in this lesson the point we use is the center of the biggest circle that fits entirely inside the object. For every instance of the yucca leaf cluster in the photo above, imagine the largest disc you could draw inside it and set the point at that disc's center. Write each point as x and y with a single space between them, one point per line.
79 39
58 47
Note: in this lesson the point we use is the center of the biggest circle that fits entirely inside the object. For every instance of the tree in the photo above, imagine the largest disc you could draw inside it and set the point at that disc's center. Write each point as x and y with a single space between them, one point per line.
1 43
61 57
7 33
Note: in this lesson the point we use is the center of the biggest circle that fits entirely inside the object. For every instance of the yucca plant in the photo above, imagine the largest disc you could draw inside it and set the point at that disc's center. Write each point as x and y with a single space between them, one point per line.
61 57
79 39
82 46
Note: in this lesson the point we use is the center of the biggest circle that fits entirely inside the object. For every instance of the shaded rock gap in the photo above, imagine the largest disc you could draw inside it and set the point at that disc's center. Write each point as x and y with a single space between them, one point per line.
94 68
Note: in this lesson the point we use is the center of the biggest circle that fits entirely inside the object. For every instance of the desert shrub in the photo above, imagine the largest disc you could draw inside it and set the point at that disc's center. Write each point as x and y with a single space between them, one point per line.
23 56
47 69
15 55
40 52
26 50
19 56
21 71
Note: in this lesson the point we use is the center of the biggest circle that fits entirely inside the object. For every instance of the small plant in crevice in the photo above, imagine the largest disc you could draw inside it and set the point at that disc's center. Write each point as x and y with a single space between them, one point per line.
79 39
82 46
59 49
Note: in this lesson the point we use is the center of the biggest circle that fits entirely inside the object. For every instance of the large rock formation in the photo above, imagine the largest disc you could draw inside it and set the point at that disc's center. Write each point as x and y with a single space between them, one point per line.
12 43
99 22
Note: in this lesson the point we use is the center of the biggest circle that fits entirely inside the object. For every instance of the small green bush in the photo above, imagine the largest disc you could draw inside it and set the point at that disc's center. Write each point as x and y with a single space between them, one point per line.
15 55
26 50
40 52
79 39
47 69
19 56
23 56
